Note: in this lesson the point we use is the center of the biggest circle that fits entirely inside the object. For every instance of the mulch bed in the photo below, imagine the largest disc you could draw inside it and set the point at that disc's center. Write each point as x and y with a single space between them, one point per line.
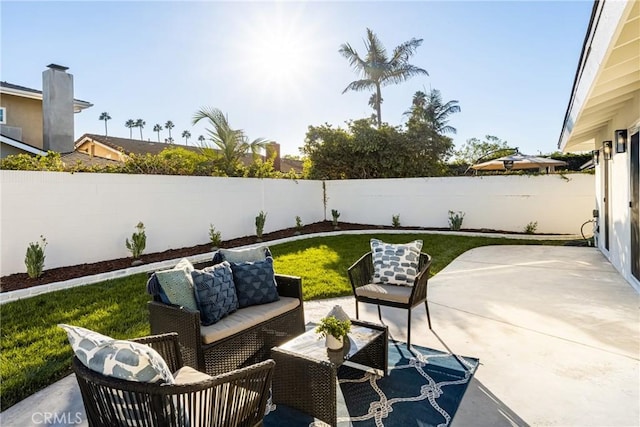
21 280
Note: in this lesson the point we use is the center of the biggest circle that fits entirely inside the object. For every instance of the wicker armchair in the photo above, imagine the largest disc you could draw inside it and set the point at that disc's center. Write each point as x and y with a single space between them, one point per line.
407 297
236 398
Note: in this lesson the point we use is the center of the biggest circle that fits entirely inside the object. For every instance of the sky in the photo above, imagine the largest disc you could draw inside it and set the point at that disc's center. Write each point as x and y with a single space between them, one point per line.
274 67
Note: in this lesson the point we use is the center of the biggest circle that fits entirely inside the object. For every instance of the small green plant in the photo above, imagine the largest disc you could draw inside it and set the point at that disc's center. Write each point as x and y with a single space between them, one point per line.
455 220
34 260
299 225
395 221
138 241
334 327
260 220
215 237
531 227
334 217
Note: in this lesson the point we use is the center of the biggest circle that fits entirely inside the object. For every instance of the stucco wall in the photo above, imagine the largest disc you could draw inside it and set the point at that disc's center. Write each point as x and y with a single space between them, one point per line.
24 113
87 217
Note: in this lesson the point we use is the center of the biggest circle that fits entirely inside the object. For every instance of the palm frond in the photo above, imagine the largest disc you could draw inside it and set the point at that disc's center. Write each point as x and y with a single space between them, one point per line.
403 52
360 85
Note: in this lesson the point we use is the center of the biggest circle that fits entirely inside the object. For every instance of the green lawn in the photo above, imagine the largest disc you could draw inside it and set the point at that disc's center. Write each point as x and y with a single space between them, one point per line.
34 353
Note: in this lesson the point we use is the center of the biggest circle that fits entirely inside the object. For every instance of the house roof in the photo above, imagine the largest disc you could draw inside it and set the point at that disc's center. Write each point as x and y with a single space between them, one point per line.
136 146
607 80
21 145
87 160
27 92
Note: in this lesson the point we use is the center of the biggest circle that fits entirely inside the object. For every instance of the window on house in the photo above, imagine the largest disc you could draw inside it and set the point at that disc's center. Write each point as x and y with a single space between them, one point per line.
3 116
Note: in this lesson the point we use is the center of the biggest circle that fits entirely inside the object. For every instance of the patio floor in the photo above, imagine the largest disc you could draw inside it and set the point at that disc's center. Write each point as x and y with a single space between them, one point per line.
556 329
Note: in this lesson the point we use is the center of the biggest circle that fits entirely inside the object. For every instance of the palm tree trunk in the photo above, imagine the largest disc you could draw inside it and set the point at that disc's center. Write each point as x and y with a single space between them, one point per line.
379 104
140 133
130 133
158 136
105 128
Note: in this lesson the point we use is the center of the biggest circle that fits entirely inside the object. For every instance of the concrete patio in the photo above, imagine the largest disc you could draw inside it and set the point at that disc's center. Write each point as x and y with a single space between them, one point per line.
556 329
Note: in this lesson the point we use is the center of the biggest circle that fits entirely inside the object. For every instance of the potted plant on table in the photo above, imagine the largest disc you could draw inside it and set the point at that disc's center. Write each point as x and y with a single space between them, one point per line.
334 330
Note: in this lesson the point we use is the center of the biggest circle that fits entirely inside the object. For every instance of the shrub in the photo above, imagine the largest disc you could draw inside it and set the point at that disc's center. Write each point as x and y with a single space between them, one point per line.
214 237
138 241
395 221
260 220
34 260
335 215
531 227
299 224
455 220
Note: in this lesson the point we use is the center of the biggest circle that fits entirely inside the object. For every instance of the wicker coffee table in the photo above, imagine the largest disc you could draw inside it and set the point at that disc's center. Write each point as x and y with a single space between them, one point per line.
306 372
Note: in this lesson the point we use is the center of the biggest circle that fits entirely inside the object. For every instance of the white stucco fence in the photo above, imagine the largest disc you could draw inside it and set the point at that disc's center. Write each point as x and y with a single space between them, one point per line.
87 217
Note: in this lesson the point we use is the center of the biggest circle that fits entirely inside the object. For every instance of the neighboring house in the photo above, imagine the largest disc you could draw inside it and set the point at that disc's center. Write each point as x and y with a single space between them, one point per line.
33 121
603 116
113 148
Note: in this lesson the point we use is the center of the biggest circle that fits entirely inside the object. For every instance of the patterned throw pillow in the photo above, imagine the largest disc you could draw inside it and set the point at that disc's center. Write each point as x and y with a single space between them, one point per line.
255 282
126 360
215 292
395 264
177 285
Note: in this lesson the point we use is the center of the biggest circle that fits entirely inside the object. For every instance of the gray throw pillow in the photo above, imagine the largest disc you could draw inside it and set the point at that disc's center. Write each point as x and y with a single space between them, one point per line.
395 264
258 253
215 292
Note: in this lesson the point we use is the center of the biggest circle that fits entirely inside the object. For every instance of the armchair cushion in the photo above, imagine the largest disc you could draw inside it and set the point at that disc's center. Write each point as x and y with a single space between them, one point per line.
395 264
126 360
393 293
188 375
215 292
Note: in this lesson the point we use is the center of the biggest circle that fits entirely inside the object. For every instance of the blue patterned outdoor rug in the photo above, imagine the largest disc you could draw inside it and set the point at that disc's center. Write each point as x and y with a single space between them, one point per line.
424 391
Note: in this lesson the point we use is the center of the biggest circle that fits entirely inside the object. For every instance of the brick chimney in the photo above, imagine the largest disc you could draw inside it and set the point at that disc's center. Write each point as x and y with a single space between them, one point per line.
57 109
272 148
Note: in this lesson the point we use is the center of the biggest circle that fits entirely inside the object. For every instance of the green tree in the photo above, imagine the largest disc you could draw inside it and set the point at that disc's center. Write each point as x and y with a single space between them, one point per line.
157 128
474 149
105 116
130 124
140 124
169 125
232 143
377 69
186 135
201 140
429 108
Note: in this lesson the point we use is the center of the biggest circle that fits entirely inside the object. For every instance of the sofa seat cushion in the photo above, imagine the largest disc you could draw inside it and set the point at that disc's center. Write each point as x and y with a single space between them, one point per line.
394 293
246 318
187 375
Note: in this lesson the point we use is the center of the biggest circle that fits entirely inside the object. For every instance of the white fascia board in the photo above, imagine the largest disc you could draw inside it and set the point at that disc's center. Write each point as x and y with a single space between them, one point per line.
22 146
604 30
78 105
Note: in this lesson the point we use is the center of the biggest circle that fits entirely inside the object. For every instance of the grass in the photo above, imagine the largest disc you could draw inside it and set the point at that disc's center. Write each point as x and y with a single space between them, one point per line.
34 352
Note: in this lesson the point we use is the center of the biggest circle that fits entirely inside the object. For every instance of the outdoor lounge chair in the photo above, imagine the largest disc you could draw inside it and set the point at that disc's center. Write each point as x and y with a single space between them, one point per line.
236 398
406 297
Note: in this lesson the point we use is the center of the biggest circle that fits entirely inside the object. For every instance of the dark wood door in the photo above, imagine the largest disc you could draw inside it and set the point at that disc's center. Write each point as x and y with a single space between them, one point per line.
634 204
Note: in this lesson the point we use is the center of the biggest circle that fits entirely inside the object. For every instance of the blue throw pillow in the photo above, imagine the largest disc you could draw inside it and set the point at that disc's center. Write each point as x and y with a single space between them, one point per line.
215 292
255 282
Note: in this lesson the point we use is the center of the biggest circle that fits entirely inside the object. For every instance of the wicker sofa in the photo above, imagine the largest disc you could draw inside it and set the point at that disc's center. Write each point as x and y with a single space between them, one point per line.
240 339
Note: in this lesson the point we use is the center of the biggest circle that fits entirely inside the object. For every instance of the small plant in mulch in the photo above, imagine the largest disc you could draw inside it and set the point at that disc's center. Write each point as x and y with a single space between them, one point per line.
299 226
215 238
34 259
334 221
137 244
260 221
531 227
395 221
455 220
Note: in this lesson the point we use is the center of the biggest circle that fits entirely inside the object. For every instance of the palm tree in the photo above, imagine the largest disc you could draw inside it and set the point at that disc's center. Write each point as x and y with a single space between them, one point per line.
233 143
130 124
186 135
201 140
157 128
105 116
430 109
377 69
169 125
140 124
